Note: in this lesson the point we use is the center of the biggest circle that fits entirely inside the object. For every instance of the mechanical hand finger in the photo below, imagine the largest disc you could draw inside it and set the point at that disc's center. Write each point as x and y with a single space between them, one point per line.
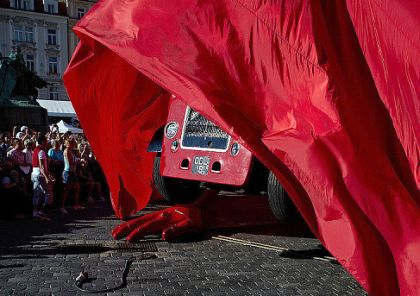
150 227
180 229
124 229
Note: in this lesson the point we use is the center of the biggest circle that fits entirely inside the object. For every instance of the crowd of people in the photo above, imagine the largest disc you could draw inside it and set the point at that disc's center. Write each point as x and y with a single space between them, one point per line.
40 172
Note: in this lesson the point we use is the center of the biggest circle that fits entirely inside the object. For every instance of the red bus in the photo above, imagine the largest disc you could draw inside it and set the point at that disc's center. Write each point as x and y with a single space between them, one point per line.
194 154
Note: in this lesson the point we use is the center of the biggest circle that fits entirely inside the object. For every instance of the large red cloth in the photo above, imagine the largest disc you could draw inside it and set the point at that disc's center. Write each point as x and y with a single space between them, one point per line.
324 93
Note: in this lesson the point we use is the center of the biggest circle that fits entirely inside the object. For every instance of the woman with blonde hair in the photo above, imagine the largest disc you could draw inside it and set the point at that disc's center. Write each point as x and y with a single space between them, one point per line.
70 180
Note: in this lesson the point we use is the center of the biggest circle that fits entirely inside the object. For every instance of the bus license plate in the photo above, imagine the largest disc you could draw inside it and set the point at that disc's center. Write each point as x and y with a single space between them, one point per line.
201 165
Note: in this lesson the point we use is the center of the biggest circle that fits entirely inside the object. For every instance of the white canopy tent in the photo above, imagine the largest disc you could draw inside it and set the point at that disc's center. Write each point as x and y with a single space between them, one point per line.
64 127
58 108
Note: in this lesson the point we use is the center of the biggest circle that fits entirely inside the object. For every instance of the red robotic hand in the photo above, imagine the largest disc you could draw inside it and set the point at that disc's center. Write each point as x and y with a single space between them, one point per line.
210 211
172 222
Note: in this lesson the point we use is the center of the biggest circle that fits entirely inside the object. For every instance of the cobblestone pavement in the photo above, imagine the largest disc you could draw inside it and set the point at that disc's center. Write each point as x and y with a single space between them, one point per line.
43 258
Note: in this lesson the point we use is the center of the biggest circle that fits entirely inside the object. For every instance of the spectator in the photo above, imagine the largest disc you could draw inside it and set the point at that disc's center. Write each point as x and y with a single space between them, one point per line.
83 151
4 146
8 141
8 194
56 165
41 179
16 157
55 129
28 145
24 131
87 180
13 199
16 154
55 154
19 182
27 168
70 180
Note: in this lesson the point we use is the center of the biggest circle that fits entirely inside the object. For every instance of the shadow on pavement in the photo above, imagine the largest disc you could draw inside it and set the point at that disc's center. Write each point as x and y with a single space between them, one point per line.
19 236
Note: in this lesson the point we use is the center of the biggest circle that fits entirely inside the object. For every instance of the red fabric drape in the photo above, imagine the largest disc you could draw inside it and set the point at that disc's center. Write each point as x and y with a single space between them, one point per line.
324 97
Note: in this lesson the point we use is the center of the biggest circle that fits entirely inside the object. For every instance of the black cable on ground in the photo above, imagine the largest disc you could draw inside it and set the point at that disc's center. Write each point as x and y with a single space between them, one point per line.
83 278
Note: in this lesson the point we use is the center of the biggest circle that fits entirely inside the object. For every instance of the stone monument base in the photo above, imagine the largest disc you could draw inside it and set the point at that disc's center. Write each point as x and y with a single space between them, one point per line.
19 113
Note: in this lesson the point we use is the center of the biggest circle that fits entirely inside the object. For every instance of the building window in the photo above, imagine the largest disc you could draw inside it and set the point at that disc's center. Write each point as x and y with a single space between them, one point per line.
27 5
80 12
30 63
29 34
52 65
23 33
18 32
23 4
53 93
51 8
52 36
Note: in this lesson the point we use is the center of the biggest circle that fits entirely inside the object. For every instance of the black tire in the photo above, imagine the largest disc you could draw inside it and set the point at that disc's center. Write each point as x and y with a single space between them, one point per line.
258 178
175 190
280 203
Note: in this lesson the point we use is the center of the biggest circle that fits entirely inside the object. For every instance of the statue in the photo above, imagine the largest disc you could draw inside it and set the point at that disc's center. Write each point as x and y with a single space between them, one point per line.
17 82
8 78
18 94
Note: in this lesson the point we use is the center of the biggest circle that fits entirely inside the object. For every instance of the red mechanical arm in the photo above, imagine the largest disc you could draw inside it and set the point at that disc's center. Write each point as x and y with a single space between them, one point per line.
210 211
173 222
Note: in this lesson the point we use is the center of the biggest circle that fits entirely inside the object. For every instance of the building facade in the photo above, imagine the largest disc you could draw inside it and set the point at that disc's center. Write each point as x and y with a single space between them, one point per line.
41 29
76 9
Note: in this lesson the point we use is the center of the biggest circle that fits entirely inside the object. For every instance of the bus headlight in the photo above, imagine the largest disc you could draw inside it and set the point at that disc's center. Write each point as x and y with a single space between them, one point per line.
171 129
235 149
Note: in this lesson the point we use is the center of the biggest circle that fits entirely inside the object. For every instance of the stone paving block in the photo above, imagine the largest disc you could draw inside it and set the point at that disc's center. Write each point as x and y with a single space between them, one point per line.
207 267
